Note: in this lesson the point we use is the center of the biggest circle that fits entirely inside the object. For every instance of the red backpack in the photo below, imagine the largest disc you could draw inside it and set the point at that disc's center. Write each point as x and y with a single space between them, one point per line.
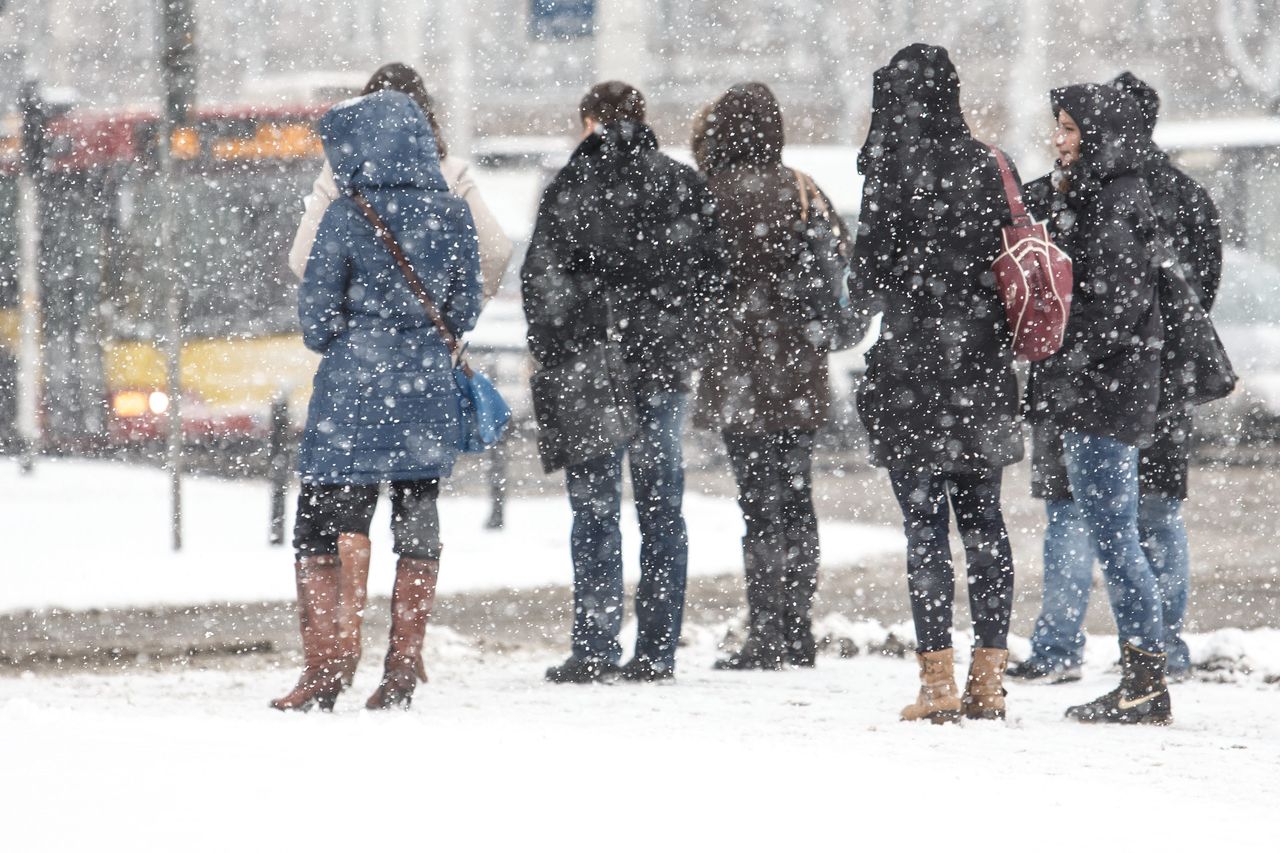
1033 276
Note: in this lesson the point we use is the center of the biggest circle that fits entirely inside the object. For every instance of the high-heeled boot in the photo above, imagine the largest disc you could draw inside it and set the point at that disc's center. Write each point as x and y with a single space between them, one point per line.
411 601
321 680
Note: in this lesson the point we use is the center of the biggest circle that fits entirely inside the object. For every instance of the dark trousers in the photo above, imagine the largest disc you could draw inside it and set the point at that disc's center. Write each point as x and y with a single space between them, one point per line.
924 497
325 511
780 550
595 496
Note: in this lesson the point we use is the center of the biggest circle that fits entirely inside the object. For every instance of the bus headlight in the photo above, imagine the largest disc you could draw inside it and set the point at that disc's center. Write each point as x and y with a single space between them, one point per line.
158 402
129 404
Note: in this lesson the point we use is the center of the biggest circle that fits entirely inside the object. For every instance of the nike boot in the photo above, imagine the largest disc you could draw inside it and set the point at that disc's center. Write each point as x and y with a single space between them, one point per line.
1142 697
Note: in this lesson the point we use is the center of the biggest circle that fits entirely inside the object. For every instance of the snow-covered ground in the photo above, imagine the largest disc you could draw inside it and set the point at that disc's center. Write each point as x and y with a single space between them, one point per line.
84 535
490 757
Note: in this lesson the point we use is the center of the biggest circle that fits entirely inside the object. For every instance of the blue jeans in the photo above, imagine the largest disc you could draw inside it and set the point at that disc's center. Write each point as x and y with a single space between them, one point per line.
1103 474
1069 552
595 496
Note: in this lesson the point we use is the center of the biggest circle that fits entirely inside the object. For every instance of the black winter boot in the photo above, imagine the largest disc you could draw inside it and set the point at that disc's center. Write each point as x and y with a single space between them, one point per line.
765 647
1142 697
802 583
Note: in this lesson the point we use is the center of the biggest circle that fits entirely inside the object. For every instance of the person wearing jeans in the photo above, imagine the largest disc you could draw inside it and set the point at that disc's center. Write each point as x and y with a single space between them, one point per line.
1101 390
656 463
624 258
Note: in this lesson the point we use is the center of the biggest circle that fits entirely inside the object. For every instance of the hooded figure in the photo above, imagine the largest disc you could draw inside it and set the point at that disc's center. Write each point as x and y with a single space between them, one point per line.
1099 394
385 406
939 390
1105 380
766 373
939 399
765 386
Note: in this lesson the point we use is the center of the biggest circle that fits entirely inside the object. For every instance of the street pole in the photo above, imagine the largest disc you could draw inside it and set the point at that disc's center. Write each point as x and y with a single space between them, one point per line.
29 374
178 75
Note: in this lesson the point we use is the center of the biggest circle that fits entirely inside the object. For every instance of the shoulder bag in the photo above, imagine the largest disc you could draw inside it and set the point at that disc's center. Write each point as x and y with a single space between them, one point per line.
485 415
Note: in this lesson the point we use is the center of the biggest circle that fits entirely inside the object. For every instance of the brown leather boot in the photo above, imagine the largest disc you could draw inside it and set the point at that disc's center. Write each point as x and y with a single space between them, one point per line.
411 601
353 591
321 681
939 698
984 691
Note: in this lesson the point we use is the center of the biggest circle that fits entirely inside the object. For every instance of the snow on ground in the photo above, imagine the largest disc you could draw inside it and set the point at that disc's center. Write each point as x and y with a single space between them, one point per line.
490 757
85 534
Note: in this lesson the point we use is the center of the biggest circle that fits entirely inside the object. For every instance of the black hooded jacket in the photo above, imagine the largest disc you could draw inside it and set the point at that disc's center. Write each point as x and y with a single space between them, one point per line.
939 391
624 245
1105 380
1189 221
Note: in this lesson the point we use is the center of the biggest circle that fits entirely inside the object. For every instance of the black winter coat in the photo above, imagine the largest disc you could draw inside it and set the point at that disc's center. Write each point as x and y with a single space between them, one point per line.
1105 380
1189 220
939 391
624 246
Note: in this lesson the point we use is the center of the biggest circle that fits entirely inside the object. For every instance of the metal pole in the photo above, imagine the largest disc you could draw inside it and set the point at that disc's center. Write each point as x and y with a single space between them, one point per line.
177 69
461 96
29 374
278 453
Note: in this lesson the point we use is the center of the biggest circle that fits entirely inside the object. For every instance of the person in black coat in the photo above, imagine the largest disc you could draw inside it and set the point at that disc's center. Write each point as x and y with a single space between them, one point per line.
940 399
1189 221
1100 391
624 249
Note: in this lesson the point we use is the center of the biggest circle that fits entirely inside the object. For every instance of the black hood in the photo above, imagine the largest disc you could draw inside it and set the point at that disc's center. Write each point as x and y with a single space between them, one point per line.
915 104
1113 137
744 126
1142 92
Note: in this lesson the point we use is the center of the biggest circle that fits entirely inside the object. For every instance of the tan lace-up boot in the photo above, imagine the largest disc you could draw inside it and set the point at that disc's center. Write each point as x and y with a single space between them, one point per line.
939 698
984 691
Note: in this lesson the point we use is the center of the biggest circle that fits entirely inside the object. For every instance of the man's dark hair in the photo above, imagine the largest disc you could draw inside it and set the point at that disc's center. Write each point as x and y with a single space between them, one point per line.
612 101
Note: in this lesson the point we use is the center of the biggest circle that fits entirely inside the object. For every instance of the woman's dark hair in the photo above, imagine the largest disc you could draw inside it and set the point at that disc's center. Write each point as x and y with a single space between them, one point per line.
399 77
612 101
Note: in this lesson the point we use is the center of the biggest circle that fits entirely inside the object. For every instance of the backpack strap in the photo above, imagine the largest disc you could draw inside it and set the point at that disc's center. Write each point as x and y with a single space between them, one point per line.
1012 191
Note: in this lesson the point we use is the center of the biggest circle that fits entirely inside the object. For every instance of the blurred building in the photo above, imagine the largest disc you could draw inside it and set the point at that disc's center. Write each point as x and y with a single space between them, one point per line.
496 76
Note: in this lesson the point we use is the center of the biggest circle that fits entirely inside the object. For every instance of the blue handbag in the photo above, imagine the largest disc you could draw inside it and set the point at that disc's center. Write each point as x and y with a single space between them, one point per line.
485 415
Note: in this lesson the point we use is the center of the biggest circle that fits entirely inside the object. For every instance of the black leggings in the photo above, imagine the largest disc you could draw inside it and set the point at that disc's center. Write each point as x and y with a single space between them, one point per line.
923 496
325 511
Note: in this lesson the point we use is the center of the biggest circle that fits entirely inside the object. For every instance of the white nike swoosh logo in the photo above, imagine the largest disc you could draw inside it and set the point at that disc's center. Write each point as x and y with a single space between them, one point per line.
1127 704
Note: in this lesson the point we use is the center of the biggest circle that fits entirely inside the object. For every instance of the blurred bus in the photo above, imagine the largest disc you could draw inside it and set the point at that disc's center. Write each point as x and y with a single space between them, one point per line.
239 178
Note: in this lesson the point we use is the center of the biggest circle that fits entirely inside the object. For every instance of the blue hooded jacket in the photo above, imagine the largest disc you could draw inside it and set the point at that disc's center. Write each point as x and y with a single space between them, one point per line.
384 406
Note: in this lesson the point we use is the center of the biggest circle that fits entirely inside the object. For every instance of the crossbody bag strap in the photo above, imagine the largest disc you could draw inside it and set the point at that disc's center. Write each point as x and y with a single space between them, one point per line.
1011 190
384 231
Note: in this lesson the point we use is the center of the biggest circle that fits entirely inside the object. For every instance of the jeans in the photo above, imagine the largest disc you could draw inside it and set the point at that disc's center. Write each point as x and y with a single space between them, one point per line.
595 496
1104 483
1069 552
923 497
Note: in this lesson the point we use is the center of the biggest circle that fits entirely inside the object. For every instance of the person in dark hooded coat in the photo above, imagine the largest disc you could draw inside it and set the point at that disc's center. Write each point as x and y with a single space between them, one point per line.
624 249
765 385
1189 220
940 399
1100 391
384 407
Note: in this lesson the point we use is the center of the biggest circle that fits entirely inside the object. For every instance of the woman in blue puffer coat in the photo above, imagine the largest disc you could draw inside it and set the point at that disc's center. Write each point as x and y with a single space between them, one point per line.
384 407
